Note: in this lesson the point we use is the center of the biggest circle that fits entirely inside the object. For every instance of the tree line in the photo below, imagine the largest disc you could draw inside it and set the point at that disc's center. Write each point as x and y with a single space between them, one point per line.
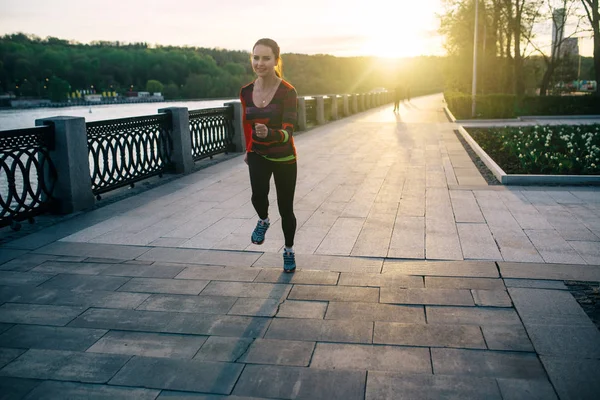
514 54
51 68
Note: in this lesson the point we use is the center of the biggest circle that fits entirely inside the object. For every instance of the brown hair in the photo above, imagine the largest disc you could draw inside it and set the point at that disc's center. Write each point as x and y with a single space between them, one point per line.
276 51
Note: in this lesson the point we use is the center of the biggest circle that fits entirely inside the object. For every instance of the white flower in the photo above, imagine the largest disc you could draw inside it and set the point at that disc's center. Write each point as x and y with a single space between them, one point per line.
560 164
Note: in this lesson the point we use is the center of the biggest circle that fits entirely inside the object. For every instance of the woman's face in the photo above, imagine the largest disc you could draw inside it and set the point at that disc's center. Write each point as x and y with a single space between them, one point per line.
263 60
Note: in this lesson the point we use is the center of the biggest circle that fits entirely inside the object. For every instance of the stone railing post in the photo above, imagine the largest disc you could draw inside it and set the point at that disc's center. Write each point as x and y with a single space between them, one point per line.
320 110
354 103
363 102
73 187
182 158
239 140
369 100
346 105
301 114
334 107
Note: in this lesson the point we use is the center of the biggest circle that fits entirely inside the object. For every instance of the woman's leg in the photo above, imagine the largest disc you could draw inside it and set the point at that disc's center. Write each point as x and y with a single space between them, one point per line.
260 175
285 183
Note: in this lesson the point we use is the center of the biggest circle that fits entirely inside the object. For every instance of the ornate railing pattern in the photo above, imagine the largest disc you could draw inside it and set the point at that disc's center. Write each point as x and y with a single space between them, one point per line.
311 111
124 151
212 131
27 174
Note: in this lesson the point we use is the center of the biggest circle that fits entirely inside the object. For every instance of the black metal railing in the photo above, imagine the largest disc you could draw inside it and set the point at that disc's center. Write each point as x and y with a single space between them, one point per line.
124 151
212 131
27 174
311 111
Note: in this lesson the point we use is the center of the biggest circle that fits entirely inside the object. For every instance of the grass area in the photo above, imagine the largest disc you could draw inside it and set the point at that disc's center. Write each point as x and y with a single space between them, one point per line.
548 150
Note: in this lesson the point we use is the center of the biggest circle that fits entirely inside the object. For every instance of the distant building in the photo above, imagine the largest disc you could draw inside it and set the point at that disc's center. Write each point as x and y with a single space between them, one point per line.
558 28
569 46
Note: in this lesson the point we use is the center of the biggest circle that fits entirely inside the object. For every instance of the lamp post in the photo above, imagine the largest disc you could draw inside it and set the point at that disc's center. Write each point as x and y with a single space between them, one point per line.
474 84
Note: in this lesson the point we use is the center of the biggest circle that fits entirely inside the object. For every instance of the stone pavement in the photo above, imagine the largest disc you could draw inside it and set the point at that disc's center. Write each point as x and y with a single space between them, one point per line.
415 280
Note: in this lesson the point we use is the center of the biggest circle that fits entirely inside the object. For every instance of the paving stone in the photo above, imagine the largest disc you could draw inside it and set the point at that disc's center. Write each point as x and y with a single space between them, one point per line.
18 260
550 271
145 271
573 379
49 337
371 357
148 344
507 337
60 248
279 352
169 395
300 383
485 363
186 375
477 242
75 268
38 314
408 237
451 297
521 389
334 293
5 327
471 269
220 325
428 335
388 385
171 286
195 256
304 277
16 278
255 307
245 289
552 247
228 349
188 303
104 260
16 388
302 309
540 302
380 280
471 316
534 284
7 355
216 273
437 282
565 340
49 390
375 312
491 298
323 263
131 320
65 366
63 297
320 330
84 282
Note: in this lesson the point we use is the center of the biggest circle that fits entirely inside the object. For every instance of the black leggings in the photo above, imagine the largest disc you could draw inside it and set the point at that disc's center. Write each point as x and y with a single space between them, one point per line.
261 170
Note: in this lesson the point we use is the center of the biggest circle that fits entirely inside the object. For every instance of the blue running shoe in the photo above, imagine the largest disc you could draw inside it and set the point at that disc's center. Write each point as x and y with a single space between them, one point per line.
289 261
258 236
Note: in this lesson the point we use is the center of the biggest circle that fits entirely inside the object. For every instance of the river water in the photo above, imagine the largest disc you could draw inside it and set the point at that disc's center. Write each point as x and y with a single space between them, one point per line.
25 118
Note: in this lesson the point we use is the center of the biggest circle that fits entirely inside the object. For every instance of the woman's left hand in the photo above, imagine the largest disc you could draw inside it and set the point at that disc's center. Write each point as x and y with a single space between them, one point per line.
261 130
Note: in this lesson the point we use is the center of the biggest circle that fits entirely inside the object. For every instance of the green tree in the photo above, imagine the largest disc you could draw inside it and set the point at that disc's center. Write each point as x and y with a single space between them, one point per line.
154 86
58 89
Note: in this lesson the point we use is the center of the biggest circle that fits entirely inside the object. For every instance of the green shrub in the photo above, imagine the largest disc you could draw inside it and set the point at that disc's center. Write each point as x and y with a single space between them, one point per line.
551 150
502 106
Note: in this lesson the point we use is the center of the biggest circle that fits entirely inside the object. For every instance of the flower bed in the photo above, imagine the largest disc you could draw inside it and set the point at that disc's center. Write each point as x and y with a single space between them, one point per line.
549 150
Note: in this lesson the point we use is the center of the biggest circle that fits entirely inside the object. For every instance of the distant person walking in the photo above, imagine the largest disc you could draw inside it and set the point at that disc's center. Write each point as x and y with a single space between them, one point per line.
397 98
269 106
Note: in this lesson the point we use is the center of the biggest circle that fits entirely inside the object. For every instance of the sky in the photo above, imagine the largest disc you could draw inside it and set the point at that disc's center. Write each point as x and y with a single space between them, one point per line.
380 28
